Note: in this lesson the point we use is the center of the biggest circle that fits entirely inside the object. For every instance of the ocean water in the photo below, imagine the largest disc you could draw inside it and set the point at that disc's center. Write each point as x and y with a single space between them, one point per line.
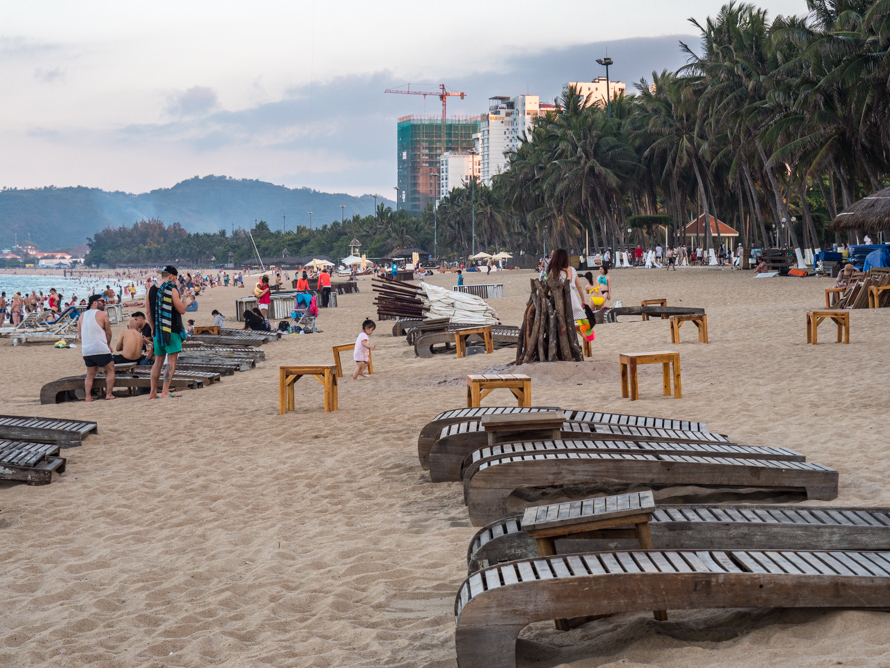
81 287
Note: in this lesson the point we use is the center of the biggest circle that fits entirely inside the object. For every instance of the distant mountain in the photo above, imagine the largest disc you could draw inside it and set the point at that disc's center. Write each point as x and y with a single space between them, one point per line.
54 218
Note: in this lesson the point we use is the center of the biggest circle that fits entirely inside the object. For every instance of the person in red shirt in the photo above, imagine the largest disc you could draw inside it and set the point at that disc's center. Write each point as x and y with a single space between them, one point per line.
324 282
263 294
638 256
303 283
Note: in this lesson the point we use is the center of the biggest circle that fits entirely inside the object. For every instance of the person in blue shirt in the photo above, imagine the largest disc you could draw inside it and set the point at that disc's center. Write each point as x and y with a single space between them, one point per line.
460 277
395 270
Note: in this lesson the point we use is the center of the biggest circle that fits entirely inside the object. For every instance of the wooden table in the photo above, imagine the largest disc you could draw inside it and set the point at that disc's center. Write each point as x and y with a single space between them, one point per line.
841 318
701 323
592 518
837 292
653 302
585 344
538 426
343 348
212 329
461 335
630 361
326 374
874 295
481 385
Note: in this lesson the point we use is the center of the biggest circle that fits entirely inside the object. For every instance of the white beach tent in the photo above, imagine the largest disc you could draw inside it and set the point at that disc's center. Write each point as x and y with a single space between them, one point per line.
460 307
316 264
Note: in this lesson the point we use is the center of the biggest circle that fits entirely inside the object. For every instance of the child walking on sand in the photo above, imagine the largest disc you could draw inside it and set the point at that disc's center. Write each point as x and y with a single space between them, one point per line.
363 348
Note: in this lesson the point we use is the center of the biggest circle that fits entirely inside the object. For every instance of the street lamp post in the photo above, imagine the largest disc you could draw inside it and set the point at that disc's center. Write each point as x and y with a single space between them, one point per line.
606 62
473 208
436 220
310 220
398 192
342 207
284 224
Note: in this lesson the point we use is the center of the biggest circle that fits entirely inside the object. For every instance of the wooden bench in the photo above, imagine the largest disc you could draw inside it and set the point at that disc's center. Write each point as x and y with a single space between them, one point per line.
33 463
874 295
841 318
487 488
432 431
591 518
494 605
480 386
833 294
701 323
450 454
461 335
326 374
66 433
653 302
585 344
705 527
212 329
344 348
630 361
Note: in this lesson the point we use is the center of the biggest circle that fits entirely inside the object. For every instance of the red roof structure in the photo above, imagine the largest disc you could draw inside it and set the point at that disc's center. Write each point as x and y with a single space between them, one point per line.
718 228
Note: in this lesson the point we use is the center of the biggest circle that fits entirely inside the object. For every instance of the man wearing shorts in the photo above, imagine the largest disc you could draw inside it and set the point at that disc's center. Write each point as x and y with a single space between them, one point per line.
94 332
165 310
2 308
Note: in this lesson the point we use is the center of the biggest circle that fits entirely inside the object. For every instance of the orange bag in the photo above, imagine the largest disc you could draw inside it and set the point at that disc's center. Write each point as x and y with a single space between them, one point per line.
802 273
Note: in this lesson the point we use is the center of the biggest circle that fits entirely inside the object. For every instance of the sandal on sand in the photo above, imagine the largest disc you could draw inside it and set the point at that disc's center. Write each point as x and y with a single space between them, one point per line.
173 395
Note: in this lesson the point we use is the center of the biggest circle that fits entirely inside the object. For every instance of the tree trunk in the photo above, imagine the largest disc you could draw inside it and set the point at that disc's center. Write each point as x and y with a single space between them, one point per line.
551 348
704 201
755 202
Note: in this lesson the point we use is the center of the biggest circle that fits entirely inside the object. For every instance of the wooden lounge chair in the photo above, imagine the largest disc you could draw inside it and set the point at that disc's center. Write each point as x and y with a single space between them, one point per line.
208 377
33 463
432 431
402 325
269 337
428 343
226 352
495 604
612 314
487 488
476 459
65 433
462 439
71 388
237 363
706 527
230 340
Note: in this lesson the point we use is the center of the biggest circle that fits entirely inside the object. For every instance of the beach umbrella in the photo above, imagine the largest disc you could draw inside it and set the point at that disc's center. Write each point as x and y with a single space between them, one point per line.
480 256
351 260
503 255
870 214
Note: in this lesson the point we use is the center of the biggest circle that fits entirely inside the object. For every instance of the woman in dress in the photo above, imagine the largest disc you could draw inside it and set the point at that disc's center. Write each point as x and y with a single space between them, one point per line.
560 269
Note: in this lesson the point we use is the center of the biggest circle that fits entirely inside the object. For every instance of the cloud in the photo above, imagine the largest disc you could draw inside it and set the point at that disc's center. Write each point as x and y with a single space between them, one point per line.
196 101
18 47
49 76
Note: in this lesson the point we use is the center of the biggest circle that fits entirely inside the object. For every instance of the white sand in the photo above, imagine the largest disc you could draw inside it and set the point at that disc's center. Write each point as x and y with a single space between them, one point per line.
209 530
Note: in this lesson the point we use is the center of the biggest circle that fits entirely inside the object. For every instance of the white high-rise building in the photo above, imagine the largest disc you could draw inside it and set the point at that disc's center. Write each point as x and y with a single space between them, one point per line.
596 89
501 129
456 170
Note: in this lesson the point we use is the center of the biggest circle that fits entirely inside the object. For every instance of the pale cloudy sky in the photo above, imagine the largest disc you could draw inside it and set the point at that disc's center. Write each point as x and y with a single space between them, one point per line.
136 96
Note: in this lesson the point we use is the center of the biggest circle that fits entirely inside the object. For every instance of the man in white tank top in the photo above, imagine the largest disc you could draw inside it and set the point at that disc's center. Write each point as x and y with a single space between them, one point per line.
94 332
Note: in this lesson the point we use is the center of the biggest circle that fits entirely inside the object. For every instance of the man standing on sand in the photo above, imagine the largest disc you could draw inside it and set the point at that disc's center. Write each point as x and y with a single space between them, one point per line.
324 284
165 310
94 332
2 308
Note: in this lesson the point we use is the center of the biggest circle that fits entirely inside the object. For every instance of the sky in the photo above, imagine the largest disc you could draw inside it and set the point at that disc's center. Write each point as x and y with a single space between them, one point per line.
138 96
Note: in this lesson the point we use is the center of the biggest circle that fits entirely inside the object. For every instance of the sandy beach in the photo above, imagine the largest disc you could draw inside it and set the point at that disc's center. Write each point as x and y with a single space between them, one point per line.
208 530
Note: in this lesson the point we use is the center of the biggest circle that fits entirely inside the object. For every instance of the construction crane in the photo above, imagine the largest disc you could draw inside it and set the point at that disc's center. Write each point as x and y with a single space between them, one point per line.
443 94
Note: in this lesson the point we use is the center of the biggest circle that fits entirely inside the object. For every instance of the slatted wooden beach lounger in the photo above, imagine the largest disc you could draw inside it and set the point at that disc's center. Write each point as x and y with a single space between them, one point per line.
229 340
71 388
426 342
461 440
33 463
495 604
487 488
433 429
706 527
256 354
238 363
269 337
476 459
222 370
209 377
65 433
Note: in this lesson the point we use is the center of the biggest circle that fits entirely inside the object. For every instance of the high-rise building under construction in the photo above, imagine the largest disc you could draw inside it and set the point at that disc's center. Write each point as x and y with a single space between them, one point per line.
421 140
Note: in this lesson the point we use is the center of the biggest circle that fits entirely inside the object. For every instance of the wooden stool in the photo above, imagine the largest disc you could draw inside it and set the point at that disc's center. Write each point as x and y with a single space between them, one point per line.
701 323
539 426
837 293
592 518
344 347
653 302
874 295
213 329
461 335
841 318
629 361
326 374
480 386
585 344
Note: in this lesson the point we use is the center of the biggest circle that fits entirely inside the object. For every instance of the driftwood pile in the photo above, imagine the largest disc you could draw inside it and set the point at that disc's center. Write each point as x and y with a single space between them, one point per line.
548 328
397 299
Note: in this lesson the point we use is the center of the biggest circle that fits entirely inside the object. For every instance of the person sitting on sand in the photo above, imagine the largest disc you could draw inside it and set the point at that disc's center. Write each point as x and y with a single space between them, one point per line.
129 344
254 320
761 267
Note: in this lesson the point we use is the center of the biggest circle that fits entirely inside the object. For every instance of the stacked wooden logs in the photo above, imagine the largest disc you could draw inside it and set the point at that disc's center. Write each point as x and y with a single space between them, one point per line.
397 299
548 328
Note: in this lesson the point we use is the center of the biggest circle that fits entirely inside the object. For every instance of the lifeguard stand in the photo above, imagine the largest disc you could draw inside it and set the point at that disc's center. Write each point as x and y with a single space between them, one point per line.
354 247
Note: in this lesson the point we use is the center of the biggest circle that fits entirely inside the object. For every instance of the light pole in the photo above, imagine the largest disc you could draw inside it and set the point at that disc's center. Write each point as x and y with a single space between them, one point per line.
375 205
606 62
284 224
310 220
342 207
398 192
473 208
436 220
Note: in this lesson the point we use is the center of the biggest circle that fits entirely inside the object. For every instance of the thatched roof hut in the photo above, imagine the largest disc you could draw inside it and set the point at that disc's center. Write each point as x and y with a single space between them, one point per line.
870 214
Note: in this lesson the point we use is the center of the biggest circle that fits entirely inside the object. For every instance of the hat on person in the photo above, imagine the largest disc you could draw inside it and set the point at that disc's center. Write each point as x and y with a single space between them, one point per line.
170 269
95 298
